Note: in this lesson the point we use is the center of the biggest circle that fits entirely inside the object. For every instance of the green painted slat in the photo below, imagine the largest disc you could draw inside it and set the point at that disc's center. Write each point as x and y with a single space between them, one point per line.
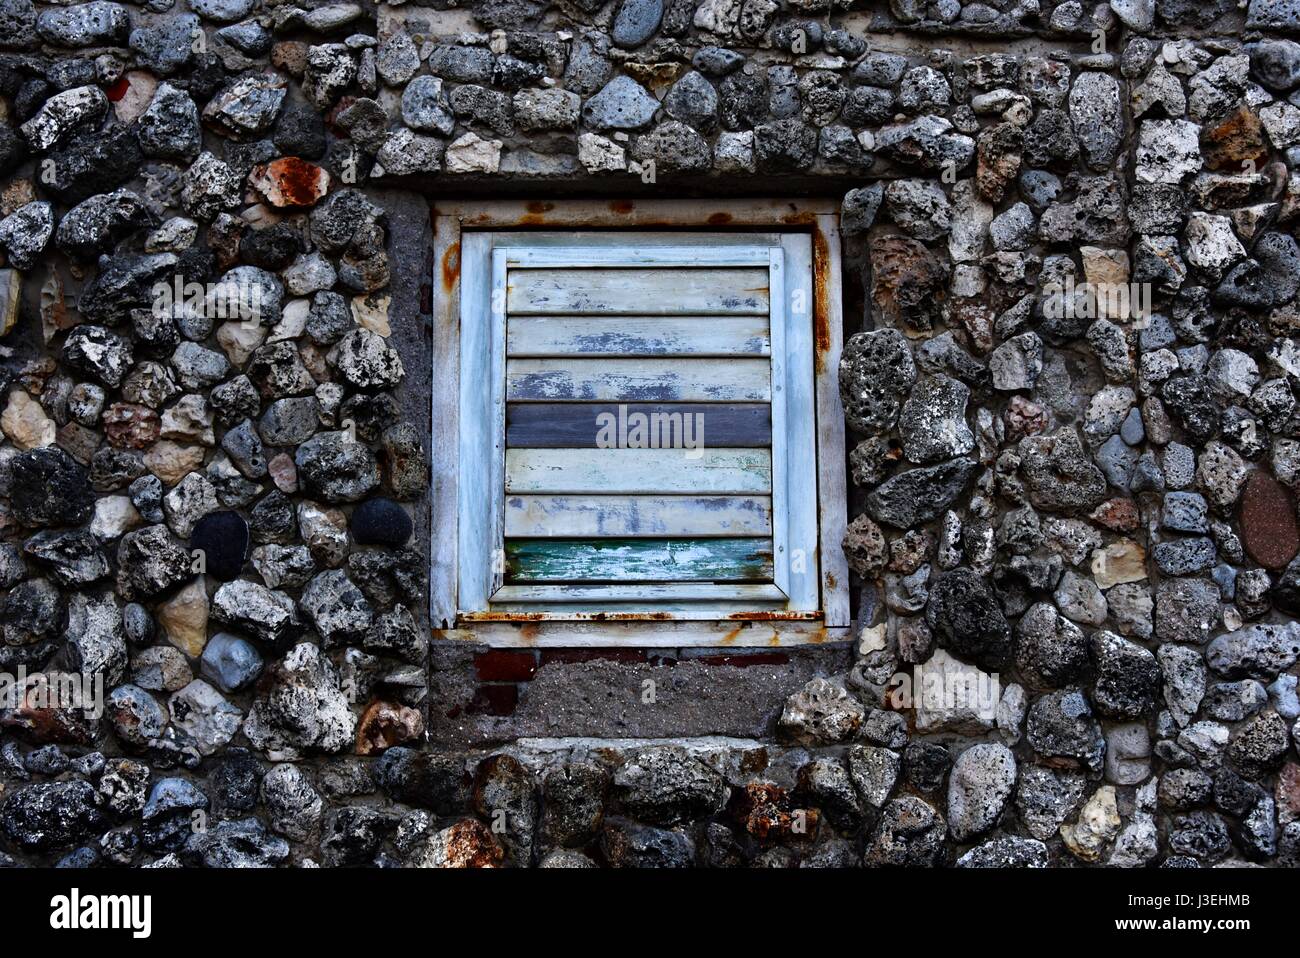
639 560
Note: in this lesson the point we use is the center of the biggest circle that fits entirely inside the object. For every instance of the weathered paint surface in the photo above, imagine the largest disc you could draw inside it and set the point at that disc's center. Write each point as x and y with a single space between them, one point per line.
637 336
599 326
678 292
638 560
563 516
638 471
639 380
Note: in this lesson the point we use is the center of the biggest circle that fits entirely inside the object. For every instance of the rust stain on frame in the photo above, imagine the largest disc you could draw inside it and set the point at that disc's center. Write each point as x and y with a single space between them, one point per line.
821 300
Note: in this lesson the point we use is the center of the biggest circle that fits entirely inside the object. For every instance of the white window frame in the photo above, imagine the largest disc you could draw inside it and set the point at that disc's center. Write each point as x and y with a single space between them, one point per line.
474 246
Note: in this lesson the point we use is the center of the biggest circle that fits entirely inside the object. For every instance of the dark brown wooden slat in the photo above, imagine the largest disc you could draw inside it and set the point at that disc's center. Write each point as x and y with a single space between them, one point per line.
576 426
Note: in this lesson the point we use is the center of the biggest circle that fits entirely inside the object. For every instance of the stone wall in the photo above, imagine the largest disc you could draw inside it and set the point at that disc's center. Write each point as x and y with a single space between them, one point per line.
1081 507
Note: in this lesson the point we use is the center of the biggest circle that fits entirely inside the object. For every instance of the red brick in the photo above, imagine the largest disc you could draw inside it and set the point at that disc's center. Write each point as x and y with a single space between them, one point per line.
503 665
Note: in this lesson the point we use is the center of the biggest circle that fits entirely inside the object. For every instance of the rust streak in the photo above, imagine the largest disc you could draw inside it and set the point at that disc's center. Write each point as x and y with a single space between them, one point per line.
720 219
821 301
450 267
622 207
760 616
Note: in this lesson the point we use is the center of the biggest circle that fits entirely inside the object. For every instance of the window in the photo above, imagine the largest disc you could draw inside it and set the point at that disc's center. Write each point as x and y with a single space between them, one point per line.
638 437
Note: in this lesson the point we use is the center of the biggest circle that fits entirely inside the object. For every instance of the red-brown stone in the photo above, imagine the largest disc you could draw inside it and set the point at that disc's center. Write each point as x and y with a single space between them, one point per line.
1234 142
290 181
1268 521
1288 792
131 426
1118 514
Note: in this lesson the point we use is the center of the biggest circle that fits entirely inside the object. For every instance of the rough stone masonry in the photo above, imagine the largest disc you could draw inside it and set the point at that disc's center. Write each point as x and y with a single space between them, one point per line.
1070 383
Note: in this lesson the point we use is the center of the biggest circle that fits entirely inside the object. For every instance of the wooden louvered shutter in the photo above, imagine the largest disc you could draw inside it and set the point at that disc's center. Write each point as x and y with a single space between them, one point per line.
582 357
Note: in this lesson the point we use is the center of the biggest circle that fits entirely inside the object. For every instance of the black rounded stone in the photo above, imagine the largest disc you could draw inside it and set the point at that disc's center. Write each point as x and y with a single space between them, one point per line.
225 540
381 522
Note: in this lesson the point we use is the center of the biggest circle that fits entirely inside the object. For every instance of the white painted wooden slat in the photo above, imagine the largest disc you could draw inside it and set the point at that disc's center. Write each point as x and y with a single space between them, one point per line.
676 592
799 436
832 491
780 466
630 255
638 380
495 383
479 443
638 292
637 336
582 516
638 471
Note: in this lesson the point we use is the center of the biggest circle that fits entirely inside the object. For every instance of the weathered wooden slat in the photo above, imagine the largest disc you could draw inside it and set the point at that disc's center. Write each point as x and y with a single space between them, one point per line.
638 380
637 336
681 594
444 570
832 483
627 255
733 472
580 425
481 423
796 448
622 516
638 292
638 560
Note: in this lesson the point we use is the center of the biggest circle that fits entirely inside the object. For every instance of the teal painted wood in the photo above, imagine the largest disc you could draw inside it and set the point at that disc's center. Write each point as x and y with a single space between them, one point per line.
638 560
581 425
638 292
638 380
677 596
625 516
638 472
633 336
798 447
